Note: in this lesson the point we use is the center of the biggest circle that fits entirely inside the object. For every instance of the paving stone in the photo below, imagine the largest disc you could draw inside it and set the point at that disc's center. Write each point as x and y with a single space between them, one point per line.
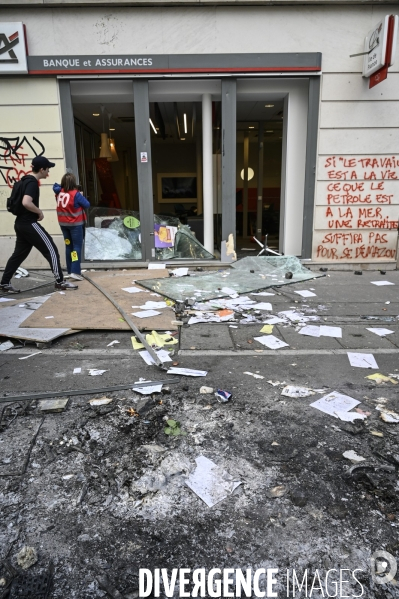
206 336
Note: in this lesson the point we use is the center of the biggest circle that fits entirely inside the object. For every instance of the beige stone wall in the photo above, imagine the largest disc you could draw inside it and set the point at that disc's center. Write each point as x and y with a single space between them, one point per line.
30 124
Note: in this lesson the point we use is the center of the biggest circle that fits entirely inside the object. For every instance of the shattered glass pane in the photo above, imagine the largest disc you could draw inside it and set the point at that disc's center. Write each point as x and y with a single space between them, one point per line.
115 234
267 272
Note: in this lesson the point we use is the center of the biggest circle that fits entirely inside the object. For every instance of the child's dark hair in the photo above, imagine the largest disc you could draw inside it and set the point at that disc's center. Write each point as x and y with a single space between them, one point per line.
68 182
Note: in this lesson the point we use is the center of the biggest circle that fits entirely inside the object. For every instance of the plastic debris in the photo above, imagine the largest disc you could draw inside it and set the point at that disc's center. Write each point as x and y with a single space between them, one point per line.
30 355
101 401
256 376
295 392
96 372
211 483
223 396
388 415
353 457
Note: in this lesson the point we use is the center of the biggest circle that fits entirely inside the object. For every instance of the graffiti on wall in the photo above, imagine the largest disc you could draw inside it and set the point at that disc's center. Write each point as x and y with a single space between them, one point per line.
357 208
15 156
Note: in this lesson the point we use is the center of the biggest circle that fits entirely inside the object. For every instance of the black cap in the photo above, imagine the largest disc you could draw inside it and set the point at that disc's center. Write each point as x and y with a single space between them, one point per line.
41 162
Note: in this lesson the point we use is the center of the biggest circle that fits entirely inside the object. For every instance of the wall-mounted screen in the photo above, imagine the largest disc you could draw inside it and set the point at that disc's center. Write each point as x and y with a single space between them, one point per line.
175 188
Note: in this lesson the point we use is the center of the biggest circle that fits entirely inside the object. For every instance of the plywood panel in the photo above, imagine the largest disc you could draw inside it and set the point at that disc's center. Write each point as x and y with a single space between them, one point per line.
359 114
28 90
29 119
358 141
88 308
351 86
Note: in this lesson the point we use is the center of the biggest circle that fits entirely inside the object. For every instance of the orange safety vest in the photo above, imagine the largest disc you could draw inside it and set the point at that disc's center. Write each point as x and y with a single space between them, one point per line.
66 212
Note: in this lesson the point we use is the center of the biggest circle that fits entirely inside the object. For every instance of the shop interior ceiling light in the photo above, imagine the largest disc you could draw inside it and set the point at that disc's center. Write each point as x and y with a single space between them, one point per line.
250 174
114 155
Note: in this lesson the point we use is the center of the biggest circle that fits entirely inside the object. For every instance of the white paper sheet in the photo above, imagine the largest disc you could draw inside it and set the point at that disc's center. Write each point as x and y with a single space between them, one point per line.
6 299
148 390
292 315
310 331
262 306
211 483
113 343
179 272
256 376
381 283
263 293
271 341
273 320
146 313
362 360
162 354
335 402
49 317
349 416
326 331
77 370
296 392
132 289
6 345
187 371
95 372
154 305
381 332
305 293
155 266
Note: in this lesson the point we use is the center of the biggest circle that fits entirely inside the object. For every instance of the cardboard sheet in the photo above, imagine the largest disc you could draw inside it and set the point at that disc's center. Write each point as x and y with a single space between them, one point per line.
88 308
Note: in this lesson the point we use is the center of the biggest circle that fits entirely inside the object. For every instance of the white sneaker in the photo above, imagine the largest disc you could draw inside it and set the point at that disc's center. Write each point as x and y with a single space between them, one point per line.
67 276
76 277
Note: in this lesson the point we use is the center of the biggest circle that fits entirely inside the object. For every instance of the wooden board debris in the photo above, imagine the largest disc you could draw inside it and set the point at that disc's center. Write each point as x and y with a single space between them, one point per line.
87 308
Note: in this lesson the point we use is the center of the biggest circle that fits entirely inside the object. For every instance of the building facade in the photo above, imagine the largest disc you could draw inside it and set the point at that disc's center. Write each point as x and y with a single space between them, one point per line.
239 120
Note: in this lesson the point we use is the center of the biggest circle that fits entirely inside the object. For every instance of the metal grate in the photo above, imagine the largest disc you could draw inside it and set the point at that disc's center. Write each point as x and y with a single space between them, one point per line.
33 586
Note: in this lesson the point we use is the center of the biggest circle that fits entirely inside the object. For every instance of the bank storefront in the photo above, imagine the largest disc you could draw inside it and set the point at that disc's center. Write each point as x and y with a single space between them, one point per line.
186 155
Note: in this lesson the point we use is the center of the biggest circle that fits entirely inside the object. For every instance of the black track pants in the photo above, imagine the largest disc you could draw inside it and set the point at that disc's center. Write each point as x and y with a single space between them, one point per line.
29 235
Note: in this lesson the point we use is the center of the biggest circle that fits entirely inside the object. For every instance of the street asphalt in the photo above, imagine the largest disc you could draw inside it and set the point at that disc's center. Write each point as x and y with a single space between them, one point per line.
101 493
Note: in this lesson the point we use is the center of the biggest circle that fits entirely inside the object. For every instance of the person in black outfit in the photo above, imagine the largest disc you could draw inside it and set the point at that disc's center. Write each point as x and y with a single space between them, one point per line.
30 234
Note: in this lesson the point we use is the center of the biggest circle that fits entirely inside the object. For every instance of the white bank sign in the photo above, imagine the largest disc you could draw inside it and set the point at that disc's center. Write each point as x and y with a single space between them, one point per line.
12 49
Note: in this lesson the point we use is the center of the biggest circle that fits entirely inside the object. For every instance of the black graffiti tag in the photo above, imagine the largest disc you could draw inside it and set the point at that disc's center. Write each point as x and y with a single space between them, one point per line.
14 152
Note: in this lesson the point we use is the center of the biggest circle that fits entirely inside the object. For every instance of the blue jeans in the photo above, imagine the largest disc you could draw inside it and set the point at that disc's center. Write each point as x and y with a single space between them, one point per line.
73 243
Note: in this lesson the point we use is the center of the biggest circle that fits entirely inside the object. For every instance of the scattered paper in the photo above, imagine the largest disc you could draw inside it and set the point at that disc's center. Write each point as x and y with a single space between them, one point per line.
381 283
256 376
295 392
326 331
155 266
211 483
151 305
30 355
146 313
49 317
362 360
305 293
310 330
388 415
276 383
380 332
187 372
267 328
229 291
262 306
77 370
148 390
136 344
162 354
95 372
179 272
159 340
6 345
6 299
381 378
102 401
334 403
271 341
274 320
132 289
350 416
113 343
353 457
263 293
